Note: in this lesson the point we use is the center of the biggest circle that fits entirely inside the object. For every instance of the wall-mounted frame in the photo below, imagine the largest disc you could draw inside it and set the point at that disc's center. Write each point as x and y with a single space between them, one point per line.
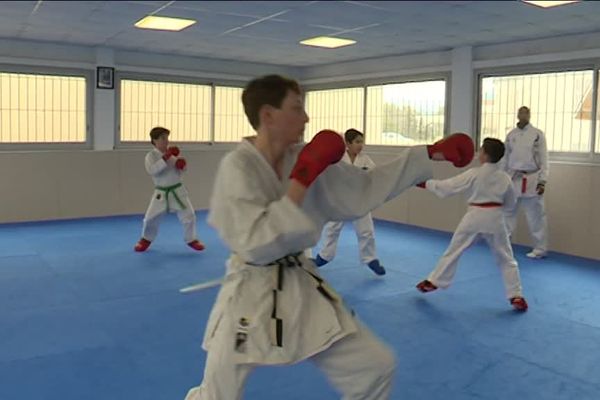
105 78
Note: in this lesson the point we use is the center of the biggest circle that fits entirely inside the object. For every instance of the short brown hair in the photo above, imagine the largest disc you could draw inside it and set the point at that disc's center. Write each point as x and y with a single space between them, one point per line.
157 132
268 90
352 134
524 108
494 148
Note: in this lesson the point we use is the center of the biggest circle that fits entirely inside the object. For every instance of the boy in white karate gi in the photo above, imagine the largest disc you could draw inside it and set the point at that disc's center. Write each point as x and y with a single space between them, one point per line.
271 198
490 192
365 231
165 166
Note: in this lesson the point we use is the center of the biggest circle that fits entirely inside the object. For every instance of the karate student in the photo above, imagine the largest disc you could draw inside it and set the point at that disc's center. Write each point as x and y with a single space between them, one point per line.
489 191
363 226
526 161
165 166
271 198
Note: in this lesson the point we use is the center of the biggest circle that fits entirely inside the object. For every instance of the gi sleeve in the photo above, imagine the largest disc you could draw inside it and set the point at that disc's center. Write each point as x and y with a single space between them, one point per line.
154 164
541 156
449 187
344 192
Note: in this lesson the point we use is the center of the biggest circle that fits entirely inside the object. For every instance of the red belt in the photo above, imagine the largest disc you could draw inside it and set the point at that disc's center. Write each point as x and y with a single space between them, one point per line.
486 205
524 179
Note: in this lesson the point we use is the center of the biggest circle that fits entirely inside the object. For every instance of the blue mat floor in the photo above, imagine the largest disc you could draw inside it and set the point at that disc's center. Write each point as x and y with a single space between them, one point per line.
83 317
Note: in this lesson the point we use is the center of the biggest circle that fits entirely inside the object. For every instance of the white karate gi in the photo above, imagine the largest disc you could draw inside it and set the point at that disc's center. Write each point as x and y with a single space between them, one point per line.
169 195
526 161
365 232
485 184
269 315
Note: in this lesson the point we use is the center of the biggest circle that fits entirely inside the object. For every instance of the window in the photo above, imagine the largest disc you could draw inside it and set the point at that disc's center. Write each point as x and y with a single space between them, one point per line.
42 108
406 114
597 116
231 124
184 109
560 104
337 109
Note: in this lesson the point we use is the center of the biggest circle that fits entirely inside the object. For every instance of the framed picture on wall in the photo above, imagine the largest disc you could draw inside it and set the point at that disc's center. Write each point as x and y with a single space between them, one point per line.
105 78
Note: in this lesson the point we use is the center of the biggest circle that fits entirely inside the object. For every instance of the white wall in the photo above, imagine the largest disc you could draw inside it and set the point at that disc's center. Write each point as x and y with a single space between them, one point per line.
380 68
71 184
104 107
461 91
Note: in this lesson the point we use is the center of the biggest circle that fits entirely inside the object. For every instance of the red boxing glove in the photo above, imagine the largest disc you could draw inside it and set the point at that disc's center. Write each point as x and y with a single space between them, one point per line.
180 163
174 150
422 185
171 151
326 148
167 155
457 148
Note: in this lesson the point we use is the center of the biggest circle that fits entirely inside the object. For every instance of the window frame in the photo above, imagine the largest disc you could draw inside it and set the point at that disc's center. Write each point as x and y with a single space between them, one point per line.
214 101
88 76
444 76
120 76
356 86
166 78
587 158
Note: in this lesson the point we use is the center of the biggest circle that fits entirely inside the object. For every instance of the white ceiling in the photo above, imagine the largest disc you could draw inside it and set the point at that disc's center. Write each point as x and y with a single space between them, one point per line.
269 31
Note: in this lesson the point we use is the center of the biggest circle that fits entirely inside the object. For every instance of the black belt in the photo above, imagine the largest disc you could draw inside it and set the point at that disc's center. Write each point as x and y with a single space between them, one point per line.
289 261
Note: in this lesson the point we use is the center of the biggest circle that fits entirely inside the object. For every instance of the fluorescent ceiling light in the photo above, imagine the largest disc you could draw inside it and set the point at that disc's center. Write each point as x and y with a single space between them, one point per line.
548 4
327 42
164 23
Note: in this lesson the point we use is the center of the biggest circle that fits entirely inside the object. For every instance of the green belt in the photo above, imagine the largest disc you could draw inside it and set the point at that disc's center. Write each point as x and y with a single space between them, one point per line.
171 190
